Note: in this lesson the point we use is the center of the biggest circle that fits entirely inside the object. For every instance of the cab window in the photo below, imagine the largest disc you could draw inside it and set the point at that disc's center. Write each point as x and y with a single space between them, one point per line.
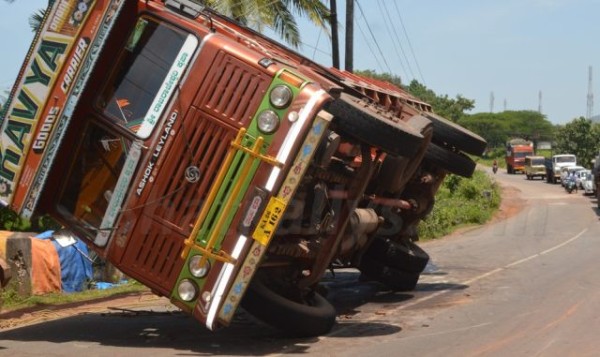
96 167
146 62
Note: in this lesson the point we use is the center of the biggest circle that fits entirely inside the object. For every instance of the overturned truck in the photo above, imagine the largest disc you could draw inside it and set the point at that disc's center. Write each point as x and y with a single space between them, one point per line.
217 167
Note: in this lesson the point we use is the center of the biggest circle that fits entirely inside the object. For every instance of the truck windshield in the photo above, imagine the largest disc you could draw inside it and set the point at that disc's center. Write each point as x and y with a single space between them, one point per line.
522 154
94 172
146 74
565 159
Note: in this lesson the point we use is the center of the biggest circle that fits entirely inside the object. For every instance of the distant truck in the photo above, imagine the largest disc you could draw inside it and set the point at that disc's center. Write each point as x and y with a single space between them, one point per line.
516 151
556 163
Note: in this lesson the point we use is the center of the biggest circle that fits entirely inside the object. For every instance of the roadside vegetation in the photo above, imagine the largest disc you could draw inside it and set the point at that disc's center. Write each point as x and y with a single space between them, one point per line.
461 202
11 300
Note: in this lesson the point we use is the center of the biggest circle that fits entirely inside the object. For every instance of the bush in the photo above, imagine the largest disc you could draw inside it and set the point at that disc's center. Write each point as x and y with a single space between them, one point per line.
10 221
461 202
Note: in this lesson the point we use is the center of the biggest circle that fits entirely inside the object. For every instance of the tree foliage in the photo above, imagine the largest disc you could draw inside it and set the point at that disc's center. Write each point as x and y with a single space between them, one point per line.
580 137
450 108
498 128
277 14
386 77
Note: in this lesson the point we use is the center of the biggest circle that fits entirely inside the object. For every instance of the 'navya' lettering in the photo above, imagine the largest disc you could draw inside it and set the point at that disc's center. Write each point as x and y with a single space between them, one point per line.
24 112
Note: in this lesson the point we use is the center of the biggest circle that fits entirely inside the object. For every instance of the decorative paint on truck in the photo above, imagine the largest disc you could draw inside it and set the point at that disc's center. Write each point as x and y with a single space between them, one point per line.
57 61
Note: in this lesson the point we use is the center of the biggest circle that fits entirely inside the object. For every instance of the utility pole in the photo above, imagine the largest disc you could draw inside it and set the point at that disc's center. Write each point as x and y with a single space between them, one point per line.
349 59
590 95
540 102
335 40
491 102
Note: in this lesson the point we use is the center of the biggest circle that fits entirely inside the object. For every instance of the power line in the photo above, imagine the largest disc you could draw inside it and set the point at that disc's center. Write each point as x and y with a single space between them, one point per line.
590 95
369 45
386 15
317 44
316 49
409 43
373 36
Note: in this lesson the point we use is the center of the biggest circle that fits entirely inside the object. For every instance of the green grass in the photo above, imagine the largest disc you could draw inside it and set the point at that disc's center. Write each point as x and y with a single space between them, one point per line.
11 300
461 202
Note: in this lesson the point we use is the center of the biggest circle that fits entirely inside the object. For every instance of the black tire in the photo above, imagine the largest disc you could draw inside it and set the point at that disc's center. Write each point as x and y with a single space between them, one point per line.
405 256
453 162
447 132
361 120
393 279
396 171
314 316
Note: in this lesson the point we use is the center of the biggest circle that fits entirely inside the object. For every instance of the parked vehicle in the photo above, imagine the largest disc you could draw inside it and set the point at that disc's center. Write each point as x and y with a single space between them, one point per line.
218 167
556 163
516 151
534 167
587 182
569 170
596 174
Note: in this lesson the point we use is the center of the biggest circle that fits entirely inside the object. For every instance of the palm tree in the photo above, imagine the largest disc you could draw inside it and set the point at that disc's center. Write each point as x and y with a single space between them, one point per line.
35 20
277 14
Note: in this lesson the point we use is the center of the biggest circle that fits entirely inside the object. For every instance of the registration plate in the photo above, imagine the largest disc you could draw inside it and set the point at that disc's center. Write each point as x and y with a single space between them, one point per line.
269 220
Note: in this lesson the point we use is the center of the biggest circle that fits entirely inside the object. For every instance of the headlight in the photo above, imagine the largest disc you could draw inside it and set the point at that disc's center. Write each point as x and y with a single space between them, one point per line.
187 290
197 270
280 96
268 122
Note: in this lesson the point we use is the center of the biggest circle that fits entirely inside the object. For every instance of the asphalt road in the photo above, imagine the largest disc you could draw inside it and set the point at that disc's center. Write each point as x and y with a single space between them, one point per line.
523 286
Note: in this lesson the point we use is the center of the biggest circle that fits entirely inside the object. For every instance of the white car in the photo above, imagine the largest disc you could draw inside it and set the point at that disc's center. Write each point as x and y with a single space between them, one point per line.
587 182
566 171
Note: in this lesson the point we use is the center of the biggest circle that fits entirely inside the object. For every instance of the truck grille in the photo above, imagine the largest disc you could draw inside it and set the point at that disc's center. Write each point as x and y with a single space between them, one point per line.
202 143
226 101
232 91
156 254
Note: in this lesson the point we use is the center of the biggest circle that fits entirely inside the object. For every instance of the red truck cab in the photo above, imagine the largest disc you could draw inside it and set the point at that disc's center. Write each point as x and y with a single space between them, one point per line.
516 151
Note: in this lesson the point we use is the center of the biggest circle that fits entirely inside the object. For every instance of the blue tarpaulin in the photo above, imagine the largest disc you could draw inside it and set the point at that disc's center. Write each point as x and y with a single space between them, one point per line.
75 266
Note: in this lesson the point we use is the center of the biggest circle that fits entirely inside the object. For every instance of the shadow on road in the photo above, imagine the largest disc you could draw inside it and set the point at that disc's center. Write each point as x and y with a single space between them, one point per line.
150 331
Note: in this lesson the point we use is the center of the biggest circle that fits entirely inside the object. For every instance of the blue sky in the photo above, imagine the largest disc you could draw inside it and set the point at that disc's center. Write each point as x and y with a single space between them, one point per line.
513 48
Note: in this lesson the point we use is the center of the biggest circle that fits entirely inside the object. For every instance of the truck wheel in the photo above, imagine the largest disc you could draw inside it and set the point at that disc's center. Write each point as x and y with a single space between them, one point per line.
363 121
405 256
453 162
304 316
452 134
396 171
393 279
